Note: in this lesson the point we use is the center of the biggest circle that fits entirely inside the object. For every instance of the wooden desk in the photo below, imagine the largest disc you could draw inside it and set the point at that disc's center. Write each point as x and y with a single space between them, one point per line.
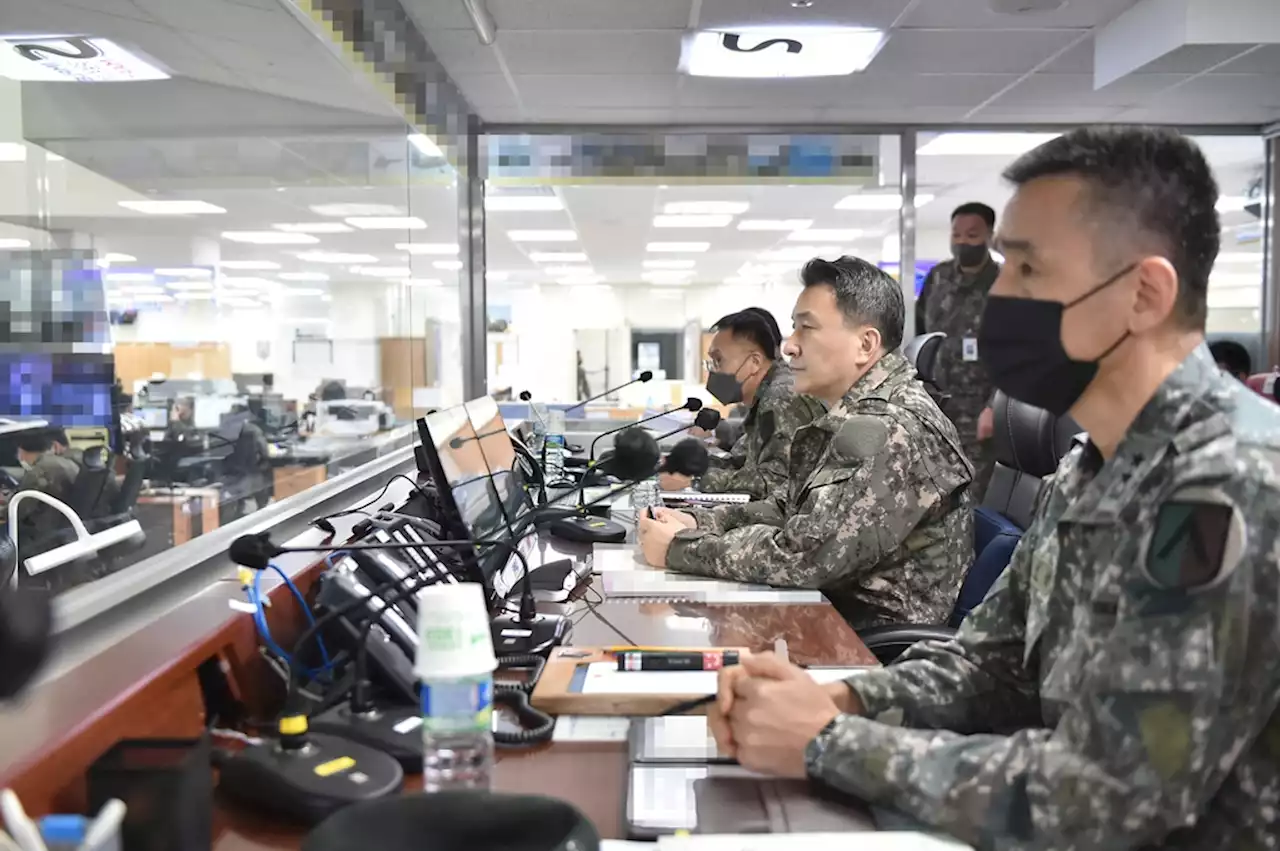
193 511
287 481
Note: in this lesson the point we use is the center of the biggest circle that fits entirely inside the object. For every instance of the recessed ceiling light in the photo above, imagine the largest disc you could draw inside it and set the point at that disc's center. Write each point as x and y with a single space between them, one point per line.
268 237
429 247
185 272
303 291
833 234
759 52
557 257
313 227
774 224
449 265
669 264
382 271
705 208
423 282
172 208
340 210
189 286
15 243
128 276
12 152
426 146
334 257
72 59
983 144
193 296
523 203
303 276
386 222
678 247
692 221
248 265
542 235
876 202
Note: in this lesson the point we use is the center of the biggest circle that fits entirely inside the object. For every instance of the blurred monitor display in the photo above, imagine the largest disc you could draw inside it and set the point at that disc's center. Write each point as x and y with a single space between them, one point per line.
71 389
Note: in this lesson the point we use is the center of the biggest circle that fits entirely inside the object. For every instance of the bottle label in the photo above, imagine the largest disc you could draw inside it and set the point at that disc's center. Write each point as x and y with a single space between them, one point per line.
458 706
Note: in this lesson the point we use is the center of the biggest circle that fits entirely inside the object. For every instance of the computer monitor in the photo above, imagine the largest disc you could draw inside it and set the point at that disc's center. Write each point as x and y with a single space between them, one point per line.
154 416
500 457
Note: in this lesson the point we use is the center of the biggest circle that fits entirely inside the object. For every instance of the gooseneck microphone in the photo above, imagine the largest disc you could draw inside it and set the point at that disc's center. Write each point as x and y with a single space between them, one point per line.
642 378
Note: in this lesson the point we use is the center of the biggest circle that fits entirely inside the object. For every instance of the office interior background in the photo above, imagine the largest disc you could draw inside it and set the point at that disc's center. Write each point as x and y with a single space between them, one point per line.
364 191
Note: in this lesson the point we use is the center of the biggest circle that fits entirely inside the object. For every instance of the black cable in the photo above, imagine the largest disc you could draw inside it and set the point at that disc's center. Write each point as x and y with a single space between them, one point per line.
626 638
537 725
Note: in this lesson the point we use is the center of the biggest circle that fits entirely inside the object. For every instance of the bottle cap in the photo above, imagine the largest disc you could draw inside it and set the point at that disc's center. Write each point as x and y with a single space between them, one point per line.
65 830
453 632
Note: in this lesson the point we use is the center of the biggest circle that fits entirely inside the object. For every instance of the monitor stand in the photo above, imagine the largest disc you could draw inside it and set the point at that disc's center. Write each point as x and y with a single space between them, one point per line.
513 638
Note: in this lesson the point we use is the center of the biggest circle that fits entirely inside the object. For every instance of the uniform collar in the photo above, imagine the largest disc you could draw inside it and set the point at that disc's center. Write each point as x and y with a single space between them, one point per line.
884 375
1180 417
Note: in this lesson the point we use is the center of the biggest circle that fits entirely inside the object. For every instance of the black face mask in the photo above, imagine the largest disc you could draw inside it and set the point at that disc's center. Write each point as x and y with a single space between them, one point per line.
969 256
725 386
1020 344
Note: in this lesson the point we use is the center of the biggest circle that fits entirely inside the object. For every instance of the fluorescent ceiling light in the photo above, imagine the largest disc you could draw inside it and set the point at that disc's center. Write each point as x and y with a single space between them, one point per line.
542 235
303 291
566 271
426 146
142 290
429 247
303 276
382 271
313 227
185 272
189 286
386 222
833 234
557 257
335 257
669 264
983 144
172 208
523 203
666 277
193 296
449 265
268 237
758 52
876 202
423 282
72 59
692 221
246 283
12 152
129 276
578 280
677 247
705 208
15 243
802 252
340 210
248 265
774 224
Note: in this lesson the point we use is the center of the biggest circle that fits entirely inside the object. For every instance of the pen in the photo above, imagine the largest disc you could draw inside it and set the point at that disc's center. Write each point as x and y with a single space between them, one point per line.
24 831
690 705
652 516
106 826
710 660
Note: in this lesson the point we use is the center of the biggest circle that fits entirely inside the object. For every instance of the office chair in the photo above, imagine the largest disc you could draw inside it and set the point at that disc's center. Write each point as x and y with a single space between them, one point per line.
922 353
1029 443
131 487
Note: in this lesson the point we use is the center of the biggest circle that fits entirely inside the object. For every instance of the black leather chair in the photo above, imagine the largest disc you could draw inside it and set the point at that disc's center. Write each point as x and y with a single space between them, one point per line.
922 353
1029 442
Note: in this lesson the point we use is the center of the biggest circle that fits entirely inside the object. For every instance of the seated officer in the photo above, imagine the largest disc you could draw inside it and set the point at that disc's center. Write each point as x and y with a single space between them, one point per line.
745 365
62 446
1119 686
877 512
45 471
182 424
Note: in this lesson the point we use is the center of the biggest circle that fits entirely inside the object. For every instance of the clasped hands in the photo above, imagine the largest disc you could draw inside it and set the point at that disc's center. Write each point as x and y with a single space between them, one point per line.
767 711
656 532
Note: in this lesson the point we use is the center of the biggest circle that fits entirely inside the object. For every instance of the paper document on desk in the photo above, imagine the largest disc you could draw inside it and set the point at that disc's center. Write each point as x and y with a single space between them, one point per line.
591 728
868 841
665 584
705 498
605 678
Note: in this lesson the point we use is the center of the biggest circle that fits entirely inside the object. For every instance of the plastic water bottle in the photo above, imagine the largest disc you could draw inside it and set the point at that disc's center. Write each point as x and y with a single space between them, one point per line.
457 733
538 411
554 450
646 494
455 671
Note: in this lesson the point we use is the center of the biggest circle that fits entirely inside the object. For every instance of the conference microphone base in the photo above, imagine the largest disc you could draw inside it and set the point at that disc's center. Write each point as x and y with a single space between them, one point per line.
394 730
513 637
588 530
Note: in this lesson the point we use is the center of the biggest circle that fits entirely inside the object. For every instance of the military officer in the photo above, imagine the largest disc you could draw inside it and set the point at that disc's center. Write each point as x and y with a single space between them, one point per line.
745 365
45 471
877 512
1119 686
951 302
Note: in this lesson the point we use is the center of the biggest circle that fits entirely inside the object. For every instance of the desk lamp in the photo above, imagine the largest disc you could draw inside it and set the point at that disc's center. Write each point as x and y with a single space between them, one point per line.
86 543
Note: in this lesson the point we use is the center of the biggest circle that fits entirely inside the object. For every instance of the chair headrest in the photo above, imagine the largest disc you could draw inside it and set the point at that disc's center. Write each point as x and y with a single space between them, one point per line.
1029 439
922 353
95 457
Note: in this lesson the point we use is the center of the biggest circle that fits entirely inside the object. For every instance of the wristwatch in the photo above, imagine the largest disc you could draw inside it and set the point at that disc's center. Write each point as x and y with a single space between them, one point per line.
818 747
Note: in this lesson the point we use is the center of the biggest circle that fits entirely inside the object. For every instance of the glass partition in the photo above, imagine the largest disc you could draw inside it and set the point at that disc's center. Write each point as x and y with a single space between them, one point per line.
225 289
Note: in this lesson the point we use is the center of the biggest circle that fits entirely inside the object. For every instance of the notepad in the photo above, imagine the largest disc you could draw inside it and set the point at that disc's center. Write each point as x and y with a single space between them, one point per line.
605 678
653 584
705 498
868 841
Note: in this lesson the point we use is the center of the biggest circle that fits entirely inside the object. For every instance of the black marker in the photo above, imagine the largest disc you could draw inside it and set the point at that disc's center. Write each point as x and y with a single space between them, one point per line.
712 660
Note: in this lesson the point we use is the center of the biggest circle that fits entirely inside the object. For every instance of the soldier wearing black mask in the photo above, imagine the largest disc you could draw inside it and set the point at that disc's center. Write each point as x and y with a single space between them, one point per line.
951 302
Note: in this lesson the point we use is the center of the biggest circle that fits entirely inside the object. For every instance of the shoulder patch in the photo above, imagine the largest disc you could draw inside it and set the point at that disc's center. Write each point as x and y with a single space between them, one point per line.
1197 541
859 437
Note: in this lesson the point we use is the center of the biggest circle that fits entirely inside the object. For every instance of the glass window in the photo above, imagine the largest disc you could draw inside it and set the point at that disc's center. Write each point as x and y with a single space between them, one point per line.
233 285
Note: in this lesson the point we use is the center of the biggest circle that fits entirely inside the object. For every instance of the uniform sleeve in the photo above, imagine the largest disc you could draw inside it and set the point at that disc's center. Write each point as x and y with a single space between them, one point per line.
1182 684
855 516
765 475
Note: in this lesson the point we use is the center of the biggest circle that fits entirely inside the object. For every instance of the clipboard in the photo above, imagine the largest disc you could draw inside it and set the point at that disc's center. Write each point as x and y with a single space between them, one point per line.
569 685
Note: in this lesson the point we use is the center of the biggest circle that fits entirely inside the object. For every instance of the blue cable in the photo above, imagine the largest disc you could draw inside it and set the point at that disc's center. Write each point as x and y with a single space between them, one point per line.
260 621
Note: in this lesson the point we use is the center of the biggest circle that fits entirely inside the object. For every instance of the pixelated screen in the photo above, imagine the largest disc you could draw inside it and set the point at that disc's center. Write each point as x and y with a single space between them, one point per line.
67 389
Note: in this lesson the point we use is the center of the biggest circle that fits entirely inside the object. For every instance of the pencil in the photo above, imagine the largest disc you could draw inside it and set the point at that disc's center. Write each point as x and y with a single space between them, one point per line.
690 705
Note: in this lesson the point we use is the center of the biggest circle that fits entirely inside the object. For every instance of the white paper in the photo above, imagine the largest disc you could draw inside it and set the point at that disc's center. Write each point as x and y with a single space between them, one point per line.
605 678
865 841
653 583
663 797
591 728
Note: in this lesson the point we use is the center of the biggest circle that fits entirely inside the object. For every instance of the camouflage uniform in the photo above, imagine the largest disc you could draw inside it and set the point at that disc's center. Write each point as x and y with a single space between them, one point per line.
757 464
1118 688
877 515
951 302
37 523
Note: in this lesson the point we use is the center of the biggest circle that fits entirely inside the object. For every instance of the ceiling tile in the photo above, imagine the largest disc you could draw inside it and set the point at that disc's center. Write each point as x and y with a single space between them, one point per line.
275 29
735 13
461 53
1076 60
968 52
623 15
1035 114
1224 90
487 91
1264 59
434 15
924 90
603 53
977 14
1193 58
1076 90
635 91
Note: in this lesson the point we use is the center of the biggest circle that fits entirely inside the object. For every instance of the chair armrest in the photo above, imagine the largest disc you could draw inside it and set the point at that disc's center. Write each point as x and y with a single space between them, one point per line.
890 641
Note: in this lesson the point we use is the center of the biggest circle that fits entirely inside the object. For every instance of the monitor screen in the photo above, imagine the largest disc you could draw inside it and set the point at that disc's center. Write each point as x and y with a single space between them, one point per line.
500 457
67 389
154 416
465 474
